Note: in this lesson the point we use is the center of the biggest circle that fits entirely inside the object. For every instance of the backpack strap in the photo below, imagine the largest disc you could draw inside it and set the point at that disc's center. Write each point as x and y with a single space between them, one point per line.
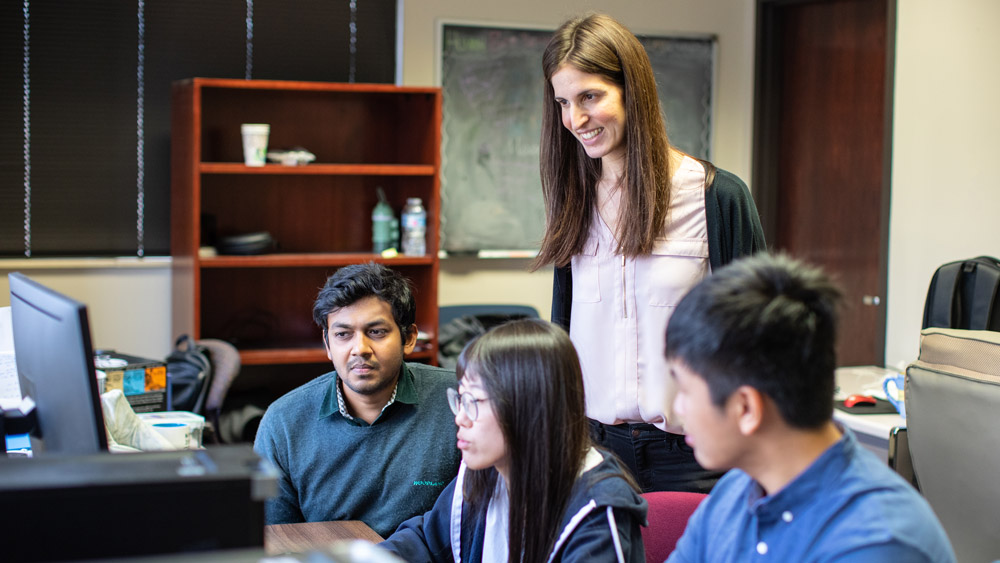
187 349
939 308
984 294
203 359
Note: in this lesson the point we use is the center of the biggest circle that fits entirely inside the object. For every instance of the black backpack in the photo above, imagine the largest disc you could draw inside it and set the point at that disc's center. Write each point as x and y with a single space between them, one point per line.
964 294
189 374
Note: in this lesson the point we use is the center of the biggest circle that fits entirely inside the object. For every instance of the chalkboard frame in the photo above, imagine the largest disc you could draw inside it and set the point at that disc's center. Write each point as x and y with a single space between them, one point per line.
503 214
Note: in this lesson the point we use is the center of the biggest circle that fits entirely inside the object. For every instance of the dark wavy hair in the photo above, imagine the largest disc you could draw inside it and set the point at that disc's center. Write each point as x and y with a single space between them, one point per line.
599 44
350 284
769 322
531 372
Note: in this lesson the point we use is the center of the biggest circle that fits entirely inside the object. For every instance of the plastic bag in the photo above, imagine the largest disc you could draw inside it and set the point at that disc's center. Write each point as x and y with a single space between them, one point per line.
126 431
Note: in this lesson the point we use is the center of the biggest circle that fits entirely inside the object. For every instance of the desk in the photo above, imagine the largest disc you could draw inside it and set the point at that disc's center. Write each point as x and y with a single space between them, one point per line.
288 543
302 537
871 430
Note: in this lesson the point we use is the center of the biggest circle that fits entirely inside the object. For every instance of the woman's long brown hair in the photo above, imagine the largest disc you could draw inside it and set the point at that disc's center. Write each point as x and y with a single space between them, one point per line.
598 44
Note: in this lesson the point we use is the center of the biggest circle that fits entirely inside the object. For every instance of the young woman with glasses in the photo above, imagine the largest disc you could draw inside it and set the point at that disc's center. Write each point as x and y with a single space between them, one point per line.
531 487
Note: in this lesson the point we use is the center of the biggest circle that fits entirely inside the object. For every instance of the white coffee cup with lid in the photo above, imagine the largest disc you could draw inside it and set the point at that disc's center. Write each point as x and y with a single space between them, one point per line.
255 143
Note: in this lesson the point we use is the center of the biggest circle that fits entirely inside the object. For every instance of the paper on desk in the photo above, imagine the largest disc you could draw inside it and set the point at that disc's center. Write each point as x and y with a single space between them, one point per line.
10 389
127 429
861 380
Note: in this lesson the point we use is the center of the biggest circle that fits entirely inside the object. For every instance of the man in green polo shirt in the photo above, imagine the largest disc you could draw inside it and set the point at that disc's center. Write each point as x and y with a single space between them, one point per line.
373 440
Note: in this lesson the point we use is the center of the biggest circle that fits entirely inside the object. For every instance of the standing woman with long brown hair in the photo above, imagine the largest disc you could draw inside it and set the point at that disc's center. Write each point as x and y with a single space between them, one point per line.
531 487
631 224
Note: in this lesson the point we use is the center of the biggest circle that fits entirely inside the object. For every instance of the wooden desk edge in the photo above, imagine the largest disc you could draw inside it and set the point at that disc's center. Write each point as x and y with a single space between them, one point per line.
307 536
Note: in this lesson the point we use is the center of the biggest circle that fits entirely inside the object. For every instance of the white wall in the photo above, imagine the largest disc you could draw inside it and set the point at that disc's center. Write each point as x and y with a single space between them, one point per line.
945 197
128 300
944 200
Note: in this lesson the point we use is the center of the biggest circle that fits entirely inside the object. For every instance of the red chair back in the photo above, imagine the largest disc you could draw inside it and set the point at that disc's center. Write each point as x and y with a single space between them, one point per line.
668 516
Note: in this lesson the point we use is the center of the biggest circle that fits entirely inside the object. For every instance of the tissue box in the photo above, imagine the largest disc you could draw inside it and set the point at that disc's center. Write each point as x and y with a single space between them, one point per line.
143 381
182 428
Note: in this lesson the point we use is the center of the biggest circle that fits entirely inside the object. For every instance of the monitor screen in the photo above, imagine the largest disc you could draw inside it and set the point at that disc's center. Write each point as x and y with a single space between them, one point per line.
55 366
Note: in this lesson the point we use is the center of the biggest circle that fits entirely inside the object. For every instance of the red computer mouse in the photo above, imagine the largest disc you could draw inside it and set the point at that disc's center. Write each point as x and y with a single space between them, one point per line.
859 400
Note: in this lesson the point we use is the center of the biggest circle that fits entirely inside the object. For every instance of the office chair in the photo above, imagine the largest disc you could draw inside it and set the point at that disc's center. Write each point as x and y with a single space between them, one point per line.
952 395
225 360
448 313
458 324
668 515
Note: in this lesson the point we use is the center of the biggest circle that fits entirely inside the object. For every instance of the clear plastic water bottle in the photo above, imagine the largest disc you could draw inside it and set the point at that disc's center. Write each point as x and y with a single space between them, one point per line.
414 220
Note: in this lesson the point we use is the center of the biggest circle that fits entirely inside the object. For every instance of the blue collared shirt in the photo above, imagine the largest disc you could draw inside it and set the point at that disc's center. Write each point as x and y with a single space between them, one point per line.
846 506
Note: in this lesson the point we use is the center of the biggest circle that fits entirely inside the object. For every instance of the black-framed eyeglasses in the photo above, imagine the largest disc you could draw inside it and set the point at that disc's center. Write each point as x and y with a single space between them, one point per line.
465 401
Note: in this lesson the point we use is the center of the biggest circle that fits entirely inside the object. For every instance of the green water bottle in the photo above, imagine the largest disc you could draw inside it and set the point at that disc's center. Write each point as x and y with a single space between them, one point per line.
385 226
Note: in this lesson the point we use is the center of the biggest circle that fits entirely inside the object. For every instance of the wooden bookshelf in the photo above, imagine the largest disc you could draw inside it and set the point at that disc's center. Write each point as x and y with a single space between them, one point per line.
364 136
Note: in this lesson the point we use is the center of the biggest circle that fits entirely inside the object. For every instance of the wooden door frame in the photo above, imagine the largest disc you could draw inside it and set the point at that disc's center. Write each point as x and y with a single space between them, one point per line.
765 135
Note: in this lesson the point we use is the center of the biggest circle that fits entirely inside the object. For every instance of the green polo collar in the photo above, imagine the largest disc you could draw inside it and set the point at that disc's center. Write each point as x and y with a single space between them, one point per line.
406 392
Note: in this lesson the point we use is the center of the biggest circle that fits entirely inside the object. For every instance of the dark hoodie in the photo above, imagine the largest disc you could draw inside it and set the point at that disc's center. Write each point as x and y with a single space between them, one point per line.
601 523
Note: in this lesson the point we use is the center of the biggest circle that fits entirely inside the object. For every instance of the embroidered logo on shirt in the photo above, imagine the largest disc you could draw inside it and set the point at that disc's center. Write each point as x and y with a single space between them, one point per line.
429 483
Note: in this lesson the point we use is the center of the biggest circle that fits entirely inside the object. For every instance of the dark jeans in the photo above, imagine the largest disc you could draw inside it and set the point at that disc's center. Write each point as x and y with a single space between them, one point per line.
659 461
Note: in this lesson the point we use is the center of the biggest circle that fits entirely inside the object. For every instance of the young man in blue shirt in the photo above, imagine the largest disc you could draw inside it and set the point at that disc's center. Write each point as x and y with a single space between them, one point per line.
373 440
752 349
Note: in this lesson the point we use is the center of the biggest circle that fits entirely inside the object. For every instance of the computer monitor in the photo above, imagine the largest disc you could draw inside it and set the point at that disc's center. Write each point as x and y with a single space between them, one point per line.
55 366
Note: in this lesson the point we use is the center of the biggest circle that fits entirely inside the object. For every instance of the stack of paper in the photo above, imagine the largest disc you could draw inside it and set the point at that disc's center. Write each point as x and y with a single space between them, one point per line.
10 389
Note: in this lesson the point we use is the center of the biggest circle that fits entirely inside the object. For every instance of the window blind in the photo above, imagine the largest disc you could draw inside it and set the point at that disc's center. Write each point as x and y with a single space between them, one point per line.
85 102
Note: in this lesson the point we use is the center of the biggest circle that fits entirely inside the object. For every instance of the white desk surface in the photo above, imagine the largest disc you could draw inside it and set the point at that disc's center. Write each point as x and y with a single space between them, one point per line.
875 425
866 380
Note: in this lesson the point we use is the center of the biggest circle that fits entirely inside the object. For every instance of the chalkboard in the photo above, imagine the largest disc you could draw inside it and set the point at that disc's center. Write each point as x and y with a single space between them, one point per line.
493 87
